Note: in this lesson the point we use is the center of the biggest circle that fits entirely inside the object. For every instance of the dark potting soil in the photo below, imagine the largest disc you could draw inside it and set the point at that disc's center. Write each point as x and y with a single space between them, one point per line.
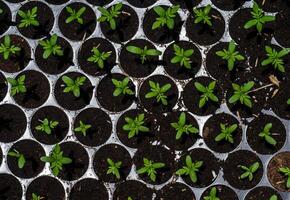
232 171
191 97
3 86
127 26
204 34
37 89
75 30
208 171
56 2
181 72
99 2
262 192
80 161
101 126
89 189
32 151
186 4
51 113
175 191
282 28
223 192
5 18
18 61
143 138
105 96
68 100
55 64
47 187
10 187
151 104
277 179
12 123
45 18
132 64
168 133
157 154
116 153
134 189
141 3
85 52
273 5
228 4
258 144
212 129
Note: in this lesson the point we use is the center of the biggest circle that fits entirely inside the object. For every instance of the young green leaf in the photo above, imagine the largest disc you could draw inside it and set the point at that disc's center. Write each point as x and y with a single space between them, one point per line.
241 94
249 171
75 15
46 126
143 53
158 92
212 194
28 18
207 93
202 15
50 47
165 17
226 133
274 197
288 101
113 168
129 198
286 172
99 57
150 168
121 87
182 56
6 48
134 126
1 11
190 169
110 15
17 85
83 128
73 85
267 135
36 197
19 156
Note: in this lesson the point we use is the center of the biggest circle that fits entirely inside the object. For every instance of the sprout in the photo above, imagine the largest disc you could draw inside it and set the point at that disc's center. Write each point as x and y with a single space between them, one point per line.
134 126
230 55
75 15
50 47
274 197
114 168
207 93
212 195
36 197
121 87
190 169
28 18
286 172
158 92
249 171
17 85
143 53
83 128
1 11
266 134
73 85
182 56
288 101
181 127
241 94
166 17
46 126
19 156
226 133
110 15
6 48
99 57
150 168
202 15
129 198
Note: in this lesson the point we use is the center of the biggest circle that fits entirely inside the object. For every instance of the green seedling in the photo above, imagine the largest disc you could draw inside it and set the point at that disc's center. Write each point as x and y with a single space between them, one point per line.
75 15
258 18
17 85
46 126
226 133
83 128
99 57
181 127
241 94
56 160
50 47
143 53
150 168
129 198
286 172
267 136
182 56
249 171
158 92
212 194
36 197
6 48
288 101
190 169
202 15
122 87
73 85
207 93
165 17
28 18
1 11
114 168
134 126
274 197
110 15
230 55
21 159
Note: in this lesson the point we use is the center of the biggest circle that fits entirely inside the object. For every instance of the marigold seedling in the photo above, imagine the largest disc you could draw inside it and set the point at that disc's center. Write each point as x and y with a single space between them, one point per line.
190 169
241 94
129 198
275 58
110 15
21 159
207 93
113 168
50 47
46 126
143 53
17 85
166 17
288 101
36 197
182 56
28 18
1 11
212 194
226 133
99 57
158 92
258 18
134 126
181 127
230 55
202 15
249 171
286 172
150 168
122 87
56 160
6 48
75 15
274 197
83 128
73 85
267 135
